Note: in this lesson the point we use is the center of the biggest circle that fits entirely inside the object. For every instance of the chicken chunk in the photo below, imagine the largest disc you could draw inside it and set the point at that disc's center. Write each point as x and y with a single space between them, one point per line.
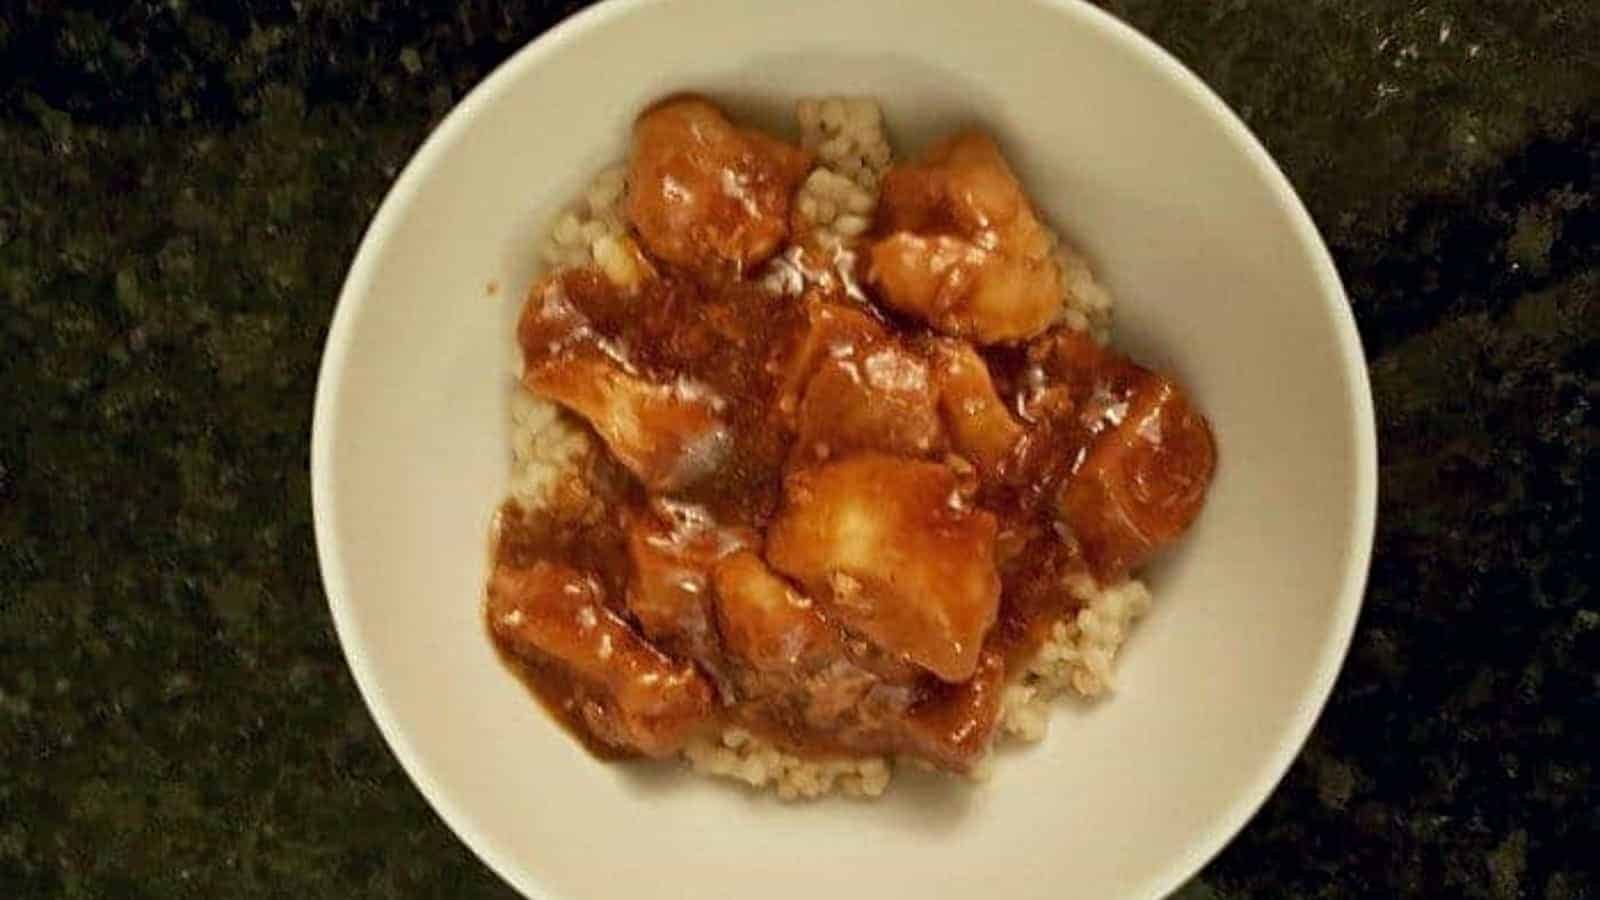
668 434
880 397
895 553
674 550
707 195
955 725
979 425
802 671
766 622
1099 381
962 248
1131 458
1142 482
644 700
829 330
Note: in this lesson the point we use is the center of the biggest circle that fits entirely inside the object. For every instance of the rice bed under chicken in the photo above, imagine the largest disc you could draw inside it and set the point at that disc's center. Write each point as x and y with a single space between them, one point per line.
838 197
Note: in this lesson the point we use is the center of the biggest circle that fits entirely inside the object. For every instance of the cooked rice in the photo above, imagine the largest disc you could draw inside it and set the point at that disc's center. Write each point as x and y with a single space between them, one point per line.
1076 657
838 200
847 135
547 444
840 195
1088 304
581 232
742 756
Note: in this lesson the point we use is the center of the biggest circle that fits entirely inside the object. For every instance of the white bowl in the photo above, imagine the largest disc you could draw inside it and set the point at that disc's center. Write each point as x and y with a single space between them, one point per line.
1220 276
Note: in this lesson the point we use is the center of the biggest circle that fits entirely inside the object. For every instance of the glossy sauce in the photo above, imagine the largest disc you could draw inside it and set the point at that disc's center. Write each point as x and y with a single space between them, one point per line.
598 547
769 379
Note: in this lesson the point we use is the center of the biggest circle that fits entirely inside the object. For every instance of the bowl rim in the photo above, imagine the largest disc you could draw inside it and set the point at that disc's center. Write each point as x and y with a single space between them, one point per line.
1205 846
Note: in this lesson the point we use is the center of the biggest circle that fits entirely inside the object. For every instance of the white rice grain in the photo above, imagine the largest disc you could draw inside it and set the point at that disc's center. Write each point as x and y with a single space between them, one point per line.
740 755
578 234
838 198
1077 657
547 447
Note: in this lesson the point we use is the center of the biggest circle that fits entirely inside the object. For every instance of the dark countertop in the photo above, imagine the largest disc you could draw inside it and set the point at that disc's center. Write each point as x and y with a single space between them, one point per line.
182 184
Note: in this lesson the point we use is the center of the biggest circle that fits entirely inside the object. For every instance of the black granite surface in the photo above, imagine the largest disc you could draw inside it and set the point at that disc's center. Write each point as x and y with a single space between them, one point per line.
182 183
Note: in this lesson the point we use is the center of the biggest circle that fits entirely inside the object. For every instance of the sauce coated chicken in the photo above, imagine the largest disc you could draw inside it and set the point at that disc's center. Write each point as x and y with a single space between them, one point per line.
841 521
706 195
962 249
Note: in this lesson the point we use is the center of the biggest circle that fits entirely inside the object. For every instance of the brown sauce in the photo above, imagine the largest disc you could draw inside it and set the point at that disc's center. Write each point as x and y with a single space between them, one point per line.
560 694
720 363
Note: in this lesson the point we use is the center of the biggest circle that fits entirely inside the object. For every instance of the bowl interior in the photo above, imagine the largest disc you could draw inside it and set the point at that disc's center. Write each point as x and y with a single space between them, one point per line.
1219 276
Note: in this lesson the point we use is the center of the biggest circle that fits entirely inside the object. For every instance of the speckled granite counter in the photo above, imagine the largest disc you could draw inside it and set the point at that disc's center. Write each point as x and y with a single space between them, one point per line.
182 184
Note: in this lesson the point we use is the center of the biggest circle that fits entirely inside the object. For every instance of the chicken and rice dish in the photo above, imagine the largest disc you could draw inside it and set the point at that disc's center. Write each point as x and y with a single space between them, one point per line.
823 460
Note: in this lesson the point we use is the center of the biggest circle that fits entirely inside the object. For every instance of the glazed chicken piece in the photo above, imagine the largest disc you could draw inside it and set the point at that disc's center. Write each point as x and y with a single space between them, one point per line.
674 549
668 434
803 670
638 698
766 622
707 195
962 248
829 330
980 426
893 552
955 725
1143 482
1099 380
878 397
1149 458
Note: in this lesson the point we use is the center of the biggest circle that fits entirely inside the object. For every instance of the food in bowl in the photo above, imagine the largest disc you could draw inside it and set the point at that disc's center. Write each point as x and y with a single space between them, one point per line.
822 459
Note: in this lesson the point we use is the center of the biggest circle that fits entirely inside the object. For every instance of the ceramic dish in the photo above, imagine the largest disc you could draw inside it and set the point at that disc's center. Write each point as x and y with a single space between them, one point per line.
1220 278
